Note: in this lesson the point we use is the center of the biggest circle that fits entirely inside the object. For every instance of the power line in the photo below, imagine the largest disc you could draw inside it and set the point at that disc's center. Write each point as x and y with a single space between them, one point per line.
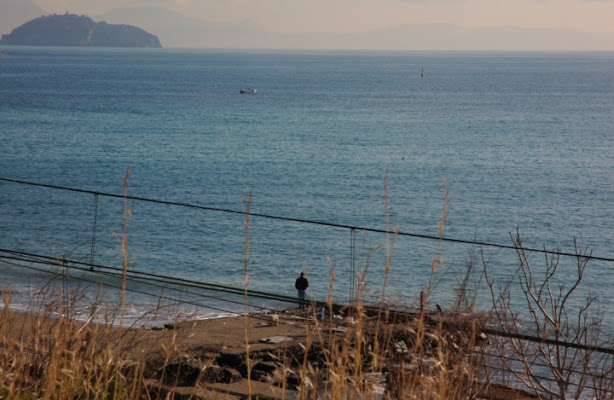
150 282
154 279
149 278
143 276
312 222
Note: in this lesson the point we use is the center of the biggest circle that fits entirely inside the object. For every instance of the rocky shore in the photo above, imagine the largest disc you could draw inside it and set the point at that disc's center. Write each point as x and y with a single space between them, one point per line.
285 355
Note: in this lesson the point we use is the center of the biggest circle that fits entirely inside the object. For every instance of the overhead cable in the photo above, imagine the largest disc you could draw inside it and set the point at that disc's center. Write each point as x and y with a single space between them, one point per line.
313 222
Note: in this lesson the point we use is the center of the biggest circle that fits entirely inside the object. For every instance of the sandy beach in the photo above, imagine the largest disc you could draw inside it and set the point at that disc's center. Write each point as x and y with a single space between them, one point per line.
212 359
193 343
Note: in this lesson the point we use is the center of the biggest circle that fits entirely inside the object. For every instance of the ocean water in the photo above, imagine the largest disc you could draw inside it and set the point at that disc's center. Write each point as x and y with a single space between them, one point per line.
521 141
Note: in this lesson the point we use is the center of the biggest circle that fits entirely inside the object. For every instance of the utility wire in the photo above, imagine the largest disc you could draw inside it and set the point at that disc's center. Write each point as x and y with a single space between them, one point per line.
87 267
157 296
171 280
155 280
115 272
312 222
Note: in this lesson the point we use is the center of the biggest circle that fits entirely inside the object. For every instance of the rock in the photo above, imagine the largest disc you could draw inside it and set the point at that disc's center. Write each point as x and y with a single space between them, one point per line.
293 381
275 339
179 374
266 367
213 374
270 357
231 375
401 348
230 359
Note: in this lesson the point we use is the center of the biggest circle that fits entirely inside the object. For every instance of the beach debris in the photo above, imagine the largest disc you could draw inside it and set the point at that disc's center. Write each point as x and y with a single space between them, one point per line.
275 339
401 347
274 319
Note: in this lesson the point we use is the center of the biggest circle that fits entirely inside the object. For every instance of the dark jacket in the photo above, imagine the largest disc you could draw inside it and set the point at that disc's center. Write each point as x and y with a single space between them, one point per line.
301 283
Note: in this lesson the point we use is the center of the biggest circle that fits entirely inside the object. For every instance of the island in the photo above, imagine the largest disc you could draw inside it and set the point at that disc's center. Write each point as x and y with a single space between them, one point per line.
78 30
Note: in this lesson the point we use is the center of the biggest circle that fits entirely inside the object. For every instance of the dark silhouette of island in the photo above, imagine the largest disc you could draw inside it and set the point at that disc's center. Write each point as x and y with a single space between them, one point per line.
78 30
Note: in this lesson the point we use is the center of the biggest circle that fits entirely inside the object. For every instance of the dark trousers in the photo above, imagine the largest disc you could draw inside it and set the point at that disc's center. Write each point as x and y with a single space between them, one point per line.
301 299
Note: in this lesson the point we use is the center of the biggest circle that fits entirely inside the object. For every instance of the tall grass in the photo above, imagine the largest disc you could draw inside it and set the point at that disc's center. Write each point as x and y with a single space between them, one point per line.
364 348
355 352
58 358
48 354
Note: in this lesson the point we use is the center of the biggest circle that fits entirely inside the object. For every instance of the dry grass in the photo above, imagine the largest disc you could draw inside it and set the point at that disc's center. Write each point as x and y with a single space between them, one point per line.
419 356
57 358
49 355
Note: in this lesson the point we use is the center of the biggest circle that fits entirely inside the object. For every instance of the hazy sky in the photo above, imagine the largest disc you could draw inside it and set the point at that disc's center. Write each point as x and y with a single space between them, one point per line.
344 16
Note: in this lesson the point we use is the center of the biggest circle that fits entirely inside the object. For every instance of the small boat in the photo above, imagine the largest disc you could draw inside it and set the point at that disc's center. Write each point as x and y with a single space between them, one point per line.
422 73
248 91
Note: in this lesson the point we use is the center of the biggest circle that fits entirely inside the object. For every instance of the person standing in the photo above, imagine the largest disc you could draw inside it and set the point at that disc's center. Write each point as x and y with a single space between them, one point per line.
301 285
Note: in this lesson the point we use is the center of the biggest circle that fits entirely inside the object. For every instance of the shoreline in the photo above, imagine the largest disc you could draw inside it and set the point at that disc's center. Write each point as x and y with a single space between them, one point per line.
213 358
195 342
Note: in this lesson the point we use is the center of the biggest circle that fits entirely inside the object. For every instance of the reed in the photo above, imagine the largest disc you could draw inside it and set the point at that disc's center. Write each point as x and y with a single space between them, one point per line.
361 351
377 351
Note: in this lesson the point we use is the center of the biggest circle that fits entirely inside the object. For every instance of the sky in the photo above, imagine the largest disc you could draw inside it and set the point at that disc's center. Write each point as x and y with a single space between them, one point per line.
352 16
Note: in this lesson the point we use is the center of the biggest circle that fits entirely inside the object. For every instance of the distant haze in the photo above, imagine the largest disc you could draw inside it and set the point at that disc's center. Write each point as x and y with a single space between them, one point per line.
348 24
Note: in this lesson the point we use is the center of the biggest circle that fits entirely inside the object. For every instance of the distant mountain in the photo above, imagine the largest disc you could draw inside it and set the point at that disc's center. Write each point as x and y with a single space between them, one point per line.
451 37
15 12
176 30
75 30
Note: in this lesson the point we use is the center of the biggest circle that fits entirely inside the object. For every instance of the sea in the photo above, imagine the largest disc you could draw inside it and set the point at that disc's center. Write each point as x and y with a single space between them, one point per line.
381 175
